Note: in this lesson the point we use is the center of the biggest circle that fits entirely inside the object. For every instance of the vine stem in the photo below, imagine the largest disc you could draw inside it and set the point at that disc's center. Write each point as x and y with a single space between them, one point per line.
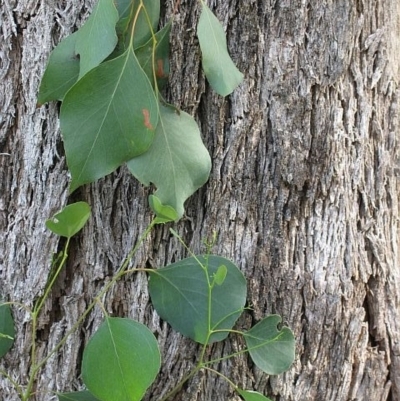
35 314
121 271
222 375
182 382
13 382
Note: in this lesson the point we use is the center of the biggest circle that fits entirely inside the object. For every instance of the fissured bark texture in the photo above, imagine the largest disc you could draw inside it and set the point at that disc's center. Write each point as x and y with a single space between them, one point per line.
303 194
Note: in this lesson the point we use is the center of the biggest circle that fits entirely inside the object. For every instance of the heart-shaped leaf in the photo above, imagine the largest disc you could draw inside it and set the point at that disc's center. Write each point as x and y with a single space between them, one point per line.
177 162
164 213
183 295
97 38
77 396
70 220
62 71
7 331
120 361
107 118
249 395
272 350
218 66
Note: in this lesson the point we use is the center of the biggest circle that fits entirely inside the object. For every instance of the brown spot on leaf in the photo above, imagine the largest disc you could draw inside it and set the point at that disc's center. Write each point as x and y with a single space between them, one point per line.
146 119
160 69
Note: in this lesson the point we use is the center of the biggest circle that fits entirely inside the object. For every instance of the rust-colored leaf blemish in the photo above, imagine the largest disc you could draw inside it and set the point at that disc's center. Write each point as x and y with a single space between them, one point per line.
146 119
160 69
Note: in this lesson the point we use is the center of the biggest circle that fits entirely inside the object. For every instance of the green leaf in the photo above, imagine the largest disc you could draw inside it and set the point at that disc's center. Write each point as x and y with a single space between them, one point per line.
143 32
120 361
7 331
183 296
177 163
124 11
77 396
164 213
107 118
161 57
123 7
97 37
249 395
218 67
272 350
220 275
70 220
62 71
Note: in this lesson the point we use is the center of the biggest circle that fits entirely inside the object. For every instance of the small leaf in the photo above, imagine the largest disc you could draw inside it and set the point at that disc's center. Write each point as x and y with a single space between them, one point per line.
164 213
220 275
107 118
249 395
218 67
97 37
70 220
120 361
7 331
77 396
182 295
177 162
161 57
62 71
272 350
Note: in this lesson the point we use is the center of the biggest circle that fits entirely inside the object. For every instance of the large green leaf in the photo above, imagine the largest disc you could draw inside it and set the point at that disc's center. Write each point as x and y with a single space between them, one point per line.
7 331
218 66
62 71
120 361
70 220
161 57
272 350
97 37
177 163
107 118
249 395
183 295
77 396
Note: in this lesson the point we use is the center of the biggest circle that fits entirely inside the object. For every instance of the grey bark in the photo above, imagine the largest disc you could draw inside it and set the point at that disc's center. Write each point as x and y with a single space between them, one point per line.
303 193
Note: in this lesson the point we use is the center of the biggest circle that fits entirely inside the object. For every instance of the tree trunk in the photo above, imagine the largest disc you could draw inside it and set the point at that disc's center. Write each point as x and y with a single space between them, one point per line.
303 194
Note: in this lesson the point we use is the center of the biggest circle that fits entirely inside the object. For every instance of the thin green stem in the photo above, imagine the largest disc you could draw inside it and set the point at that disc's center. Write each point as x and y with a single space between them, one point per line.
221 375
35 315
19 304
105 289
49 286
37 366
176 235
153 52
17 387
181 383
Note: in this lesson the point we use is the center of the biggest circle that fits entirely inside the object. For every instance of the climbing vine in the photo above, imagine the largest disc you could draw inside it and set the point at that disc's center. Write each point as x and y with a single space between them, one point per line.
109 75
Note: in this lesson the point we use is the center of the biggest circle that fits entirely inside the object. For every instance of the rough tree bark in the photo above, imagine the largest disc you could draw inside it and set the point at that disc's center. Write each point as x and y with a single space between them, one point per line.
303 193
